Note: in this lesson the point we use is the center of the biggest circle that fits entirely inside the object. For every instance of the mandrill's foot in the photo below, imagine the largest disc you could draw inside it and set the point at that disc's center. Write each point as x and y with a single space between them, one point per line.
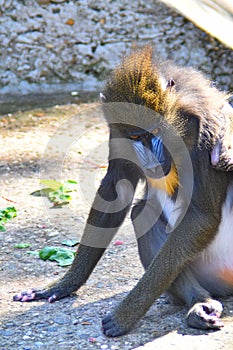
206 315
112 327
51 294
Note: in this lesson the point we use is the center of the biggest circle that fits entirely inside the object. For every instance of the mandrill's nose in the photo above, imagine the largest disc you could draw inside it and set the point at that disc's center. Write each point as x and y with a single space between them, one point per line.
158 171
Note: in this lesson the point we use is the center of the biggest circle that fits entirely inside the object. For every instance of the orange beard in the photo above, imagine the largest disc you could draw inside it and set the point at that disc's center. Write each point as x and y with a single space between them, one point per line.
168 183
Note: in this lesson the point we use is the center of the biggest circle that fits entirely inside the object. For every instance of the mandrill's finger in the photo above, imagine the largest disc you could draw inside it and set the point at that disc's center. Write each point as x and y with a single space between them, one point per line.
32 294
25 296
111 326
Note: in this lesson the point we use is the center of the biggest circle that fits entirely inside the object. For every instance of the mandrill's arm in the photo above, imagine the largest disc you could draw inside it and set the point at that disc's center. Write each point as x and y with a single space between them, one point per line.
181 247
109 209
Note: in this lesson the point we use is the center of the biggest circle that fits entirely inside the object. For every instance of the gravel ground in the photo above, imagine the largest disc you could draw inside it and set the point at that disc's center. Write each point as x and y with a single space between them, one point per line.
29 152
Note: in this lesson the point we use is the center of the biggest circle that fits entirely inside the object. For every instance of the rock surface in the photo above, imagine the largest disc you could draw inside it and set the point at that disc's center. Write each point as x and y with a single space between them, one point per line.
48 47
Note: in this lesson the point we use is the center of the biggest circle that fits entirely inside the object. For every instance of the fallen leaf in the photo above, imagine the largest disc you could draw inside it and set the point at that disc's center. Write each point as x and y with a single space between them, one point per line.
118 243
22 245
70 22
38 114
102 20
92 340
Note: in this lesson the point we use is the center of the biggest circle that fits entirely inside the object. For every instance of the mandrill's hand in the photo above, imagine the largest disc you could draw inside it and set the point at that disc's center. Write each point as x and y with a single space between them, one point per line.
32 294
84 262
52 294
112 327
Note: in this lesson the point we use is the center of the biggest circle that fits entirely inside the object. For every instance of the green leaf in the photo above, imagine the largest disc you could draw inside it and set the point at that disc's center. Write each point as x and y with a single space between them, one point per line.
53 184
6 215
73 182
22 245
70 185
57 192
62 256
9 212
44 192
70 242
65 197
46 252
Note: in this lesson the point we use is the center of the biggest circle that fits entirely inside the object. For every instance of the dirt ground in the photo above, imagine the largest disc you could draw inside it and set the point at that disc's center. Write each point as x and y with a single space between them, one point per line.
70 142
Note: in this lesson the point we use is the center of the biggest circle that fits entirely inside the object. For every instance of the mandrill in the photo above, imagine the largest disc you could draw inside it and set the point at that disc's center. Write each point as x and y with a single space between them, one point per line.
171 131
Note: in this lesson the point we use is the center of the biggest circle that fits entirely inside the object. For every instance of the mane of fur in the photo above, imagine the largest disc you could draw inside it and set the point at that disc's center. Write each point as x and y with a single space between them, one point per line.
196 96
140 81
137 80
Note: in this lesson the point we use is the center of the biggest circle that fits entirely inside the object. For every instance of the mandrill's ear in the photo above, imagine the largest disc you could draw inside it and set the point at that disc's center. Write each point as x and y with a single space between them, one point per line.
222 152
102 98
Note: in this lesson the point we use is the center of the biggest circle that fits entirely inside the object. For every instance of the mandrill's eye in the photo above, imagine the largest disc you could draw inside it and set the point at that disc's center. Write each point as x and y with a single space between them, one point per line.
135 137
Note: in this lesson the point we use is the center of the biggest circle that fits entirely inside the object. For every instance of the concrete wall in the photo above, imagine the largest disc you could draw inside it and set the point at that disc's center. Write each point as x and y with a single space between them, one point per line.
58 46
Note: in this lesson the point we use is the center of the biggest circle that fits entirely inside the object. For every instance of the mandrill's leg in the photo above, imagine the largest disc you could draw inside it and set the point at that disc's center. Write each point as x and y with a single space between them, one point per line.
204 312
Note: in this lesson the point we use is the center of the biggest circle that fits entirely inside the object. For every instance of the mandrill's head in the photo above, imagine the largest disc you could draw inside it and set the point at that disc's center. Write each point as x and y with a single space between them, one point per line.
160 108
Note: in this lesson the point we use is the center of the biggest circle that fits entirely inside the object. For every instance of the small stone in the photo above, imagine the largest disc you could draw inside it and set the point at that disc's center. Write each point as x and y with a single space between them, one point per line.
26 337
53 233
61 320
83 336
52 329
99 285
40 325
7 332
61 340
39 343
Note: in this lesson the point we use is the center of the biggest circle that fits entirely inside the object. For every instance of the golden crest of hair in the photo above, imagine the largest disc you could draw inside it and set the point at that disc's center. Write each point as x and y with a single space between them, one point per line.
137 80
